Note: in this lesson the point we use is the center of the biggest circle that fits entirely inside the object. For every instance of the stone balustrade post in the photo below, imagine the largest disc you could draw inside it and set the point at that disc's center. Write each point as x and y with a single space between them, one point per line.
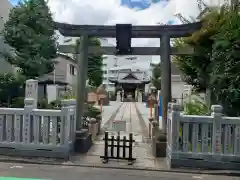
31 91
68 124
217 126
30 103
173 124
93 129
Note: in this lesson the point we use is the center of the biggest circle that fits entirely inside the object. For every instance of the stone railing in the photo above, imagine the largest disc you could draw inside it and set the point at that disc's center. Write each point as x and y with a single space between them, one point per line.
36 132
30 131
203 141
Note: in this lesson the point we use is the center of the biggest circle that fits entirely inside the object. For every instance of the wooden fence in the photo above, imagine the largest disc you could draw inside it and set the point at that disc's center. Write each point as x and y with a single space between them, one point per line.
120 148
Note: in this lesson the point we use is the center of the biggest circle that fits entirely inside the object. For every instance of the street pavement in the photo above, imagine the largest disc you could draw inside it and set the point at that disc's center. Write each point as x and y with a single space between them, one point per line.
46 172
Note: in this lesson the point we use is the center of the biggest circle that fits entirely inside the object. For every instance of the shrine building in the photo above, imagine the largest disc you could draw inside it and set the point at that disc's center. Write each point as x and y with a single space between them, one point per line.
130 80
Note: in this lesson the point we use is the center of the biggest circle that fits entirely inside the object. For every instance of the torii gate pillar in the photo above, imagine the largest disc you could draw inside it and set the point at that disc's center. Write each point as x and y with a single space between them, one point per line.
166 88
82 65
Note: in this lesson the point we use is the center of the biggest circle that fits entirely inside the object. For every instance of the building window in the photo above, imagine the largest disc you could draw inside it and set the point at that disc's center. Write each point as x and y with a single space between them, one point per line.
72 69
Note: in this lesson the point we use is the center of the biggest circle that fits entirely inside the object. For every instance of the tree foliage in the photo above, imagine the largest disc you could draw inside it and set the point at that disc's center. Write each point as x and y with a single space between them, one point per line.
30 31
11 86
196 68
95 63
156 76
226 63
216 60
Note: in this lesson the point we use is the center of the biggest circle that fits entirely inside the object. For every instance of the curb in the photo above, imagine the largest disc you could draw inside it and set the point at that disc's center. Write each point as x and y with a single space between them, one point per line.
183 171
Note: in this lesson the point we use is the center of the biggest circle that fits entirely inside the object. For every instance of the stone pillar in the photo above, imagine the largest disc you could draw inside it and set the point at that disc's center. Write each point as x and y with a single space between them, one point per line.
136 95
31 91
99 121
155 128
83 140
65 127
118 97
82 66
122 96
166 90
140 96
173 126
217 116
94 128
30 103
156 112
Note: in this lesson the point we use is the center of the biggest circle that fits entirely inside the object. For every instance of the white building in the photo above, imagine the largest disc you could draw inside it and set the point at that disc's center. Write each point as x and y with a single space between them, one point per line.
114 63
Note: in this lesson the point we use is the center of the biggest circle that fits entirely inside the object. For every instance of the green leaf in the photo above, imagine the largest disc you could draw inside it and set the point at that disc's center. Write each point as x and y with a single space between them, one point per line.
30 31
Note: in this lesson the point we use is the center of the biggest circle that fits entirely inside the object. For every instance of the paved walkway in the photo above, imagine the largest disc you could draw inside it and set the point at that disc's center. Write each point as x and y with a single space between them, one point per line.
145 113
109 110
141 150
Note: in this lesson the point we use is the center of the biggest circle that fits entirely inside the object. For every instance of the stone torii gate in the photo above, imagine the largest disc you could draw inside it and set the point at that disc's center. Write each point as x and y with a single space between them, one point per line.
123 34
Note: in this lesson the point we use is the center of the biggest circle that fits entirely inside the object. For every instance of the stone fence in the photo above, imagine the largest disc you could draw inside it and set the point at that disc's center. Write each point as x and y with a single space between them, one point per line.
211 142
36 132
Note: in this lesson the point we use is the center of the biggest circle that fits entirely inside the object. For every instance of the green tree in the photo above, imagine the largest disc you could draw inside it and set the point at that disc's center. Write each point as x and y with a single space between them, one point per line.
226 63
216 62
156 76
30 31
196 68
95 63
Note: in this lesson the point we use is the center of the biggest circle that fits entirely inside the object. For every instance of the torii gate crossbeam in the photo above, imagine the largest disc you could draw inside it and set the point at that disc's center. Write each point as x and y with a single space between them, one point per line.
163 32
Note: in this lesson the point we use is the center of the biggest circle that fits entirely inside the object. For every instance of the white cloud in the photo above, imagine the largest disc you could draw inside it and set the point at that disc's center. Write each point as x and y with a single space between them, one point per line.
109 12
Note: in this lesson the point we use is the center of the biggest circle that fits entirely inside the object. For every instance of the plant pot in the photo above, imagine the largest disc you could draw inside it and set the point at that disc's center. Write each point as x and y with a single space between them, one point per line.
159 145
159 148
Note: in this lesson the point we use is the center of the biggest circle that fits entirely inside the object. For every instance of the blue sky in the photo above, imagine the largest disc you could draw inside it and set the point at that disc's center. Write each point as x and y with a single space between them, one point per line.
142 4
14 2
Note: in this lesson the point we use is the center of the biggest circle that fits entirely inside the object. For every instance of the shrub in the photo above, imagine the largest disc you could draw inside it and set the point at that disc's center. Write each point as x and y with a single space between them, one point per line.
17 102
91 111
43 104
195 107
56 104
